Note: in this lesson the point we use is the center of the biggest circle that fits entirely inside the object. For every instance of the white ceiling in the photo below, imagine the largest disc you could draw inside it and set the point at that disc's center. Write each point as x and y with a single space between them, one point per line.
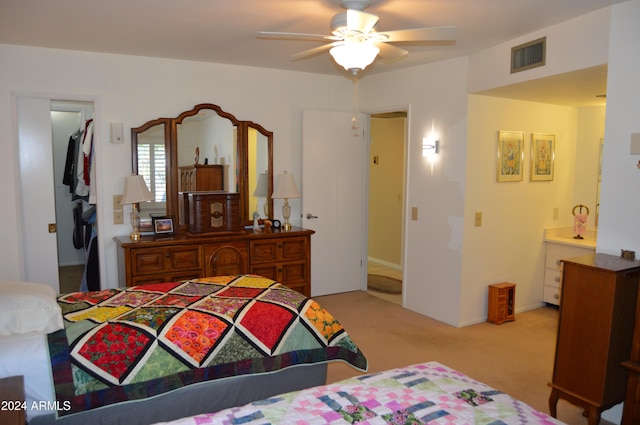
225 31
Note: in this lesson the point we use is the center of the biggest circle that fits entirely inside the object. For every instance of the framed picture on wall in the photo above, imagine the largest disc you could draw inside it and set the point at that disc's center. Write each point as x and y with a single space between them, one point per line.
510 156
542 156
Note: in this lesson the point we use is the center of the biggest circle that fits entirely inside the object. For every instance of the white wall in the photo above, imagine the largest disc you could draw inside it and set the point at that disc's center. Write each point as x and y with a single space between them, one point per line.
508 247
620 205
450 262
437 99
133 90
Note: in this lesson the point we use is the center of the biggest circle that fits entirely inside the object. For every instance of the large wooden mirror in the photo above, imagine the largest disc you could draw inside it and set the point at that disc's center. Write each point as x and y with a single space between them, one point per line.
203 149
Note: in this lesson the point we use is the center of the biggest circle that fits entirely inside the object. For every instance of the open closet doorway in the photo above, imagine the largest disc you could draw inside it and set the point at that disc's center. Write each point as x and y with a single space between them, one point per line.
39 186
75 216
387 158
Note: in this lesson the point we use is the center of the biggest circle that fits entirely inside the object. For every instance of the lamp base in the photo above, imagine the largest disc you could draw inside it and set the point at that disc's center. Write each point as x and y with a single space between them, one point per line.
286 213
135 235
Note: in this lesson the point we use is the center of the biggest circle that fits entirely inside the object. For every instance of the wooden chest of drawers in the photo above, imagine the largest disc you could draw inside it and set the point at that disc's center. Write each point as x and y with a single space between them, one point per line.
281 256
595 329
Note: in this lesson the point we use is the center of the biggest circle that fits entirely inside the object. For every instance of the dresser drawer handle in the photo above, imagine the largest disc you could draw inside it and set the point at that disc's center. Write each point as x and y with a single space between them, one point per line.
557 279
556 296
167 255
558 262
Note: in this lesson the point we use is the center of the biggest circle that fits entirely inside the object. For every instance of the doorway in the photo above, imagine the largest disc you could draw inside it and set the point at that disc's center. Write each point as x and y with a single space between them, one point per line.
387 158
47 217
74 217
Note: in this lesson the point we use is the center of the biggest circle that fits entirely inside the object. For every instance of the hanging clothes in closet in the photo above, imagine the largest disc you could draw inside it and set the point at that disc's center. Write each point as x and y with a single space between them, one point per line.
79 175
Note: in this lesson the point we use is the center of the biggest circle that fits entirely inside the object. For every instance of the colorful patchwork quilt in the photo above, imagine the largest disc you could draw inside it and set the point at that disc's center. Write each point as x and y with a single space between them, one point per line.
131 343
428 393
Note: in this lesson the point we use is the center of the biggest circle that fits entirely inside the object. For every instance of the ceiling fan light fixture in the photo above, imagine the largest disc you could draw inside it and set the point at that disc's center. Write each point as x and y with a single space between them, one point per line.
354 56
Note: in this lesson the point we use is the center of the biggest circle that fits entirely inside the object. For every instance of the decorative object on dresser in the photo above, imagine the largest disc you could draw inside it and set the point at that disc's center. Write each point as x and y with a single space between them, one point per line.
214 212
595 329
502 303
286 188
135 191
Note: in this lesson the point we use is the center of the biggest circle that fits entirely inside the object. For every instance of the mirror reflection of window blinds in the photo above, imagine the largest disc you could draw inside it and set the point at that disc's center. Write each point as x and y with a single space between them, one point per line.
151 165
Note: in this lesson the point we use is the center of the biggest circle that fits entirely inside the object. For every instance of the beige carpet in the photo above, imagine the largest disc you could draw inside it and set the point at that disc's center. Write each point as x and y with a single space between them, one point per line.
515 357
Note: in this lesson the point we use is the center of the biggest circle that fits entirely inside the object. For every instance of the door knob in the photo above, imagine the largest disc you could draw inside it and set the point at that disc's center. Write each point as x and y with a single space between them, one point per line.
310 216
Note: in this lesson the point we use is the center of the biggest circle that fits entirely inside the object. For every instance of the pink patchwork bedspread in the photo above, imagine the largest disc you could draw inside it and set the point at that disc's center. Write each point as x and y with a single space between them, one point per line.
428 393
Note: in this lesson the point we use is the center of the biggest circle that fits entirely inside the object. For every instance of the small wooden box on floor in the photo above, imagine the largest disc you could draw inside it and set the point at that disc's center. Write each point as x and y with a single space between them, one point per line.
502 300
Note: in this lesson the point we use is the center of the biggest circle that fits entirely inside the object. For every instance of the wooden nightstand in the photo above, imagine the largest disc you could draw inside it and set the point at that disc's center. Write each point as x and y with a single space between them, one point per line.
12 405
502 301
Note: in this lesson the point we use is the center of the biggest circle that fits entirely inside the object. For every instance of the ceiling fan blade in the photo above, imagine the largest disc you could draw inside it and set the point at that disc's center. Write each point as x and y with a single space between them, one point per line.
293 36
420 34
360 21
390 52
314 51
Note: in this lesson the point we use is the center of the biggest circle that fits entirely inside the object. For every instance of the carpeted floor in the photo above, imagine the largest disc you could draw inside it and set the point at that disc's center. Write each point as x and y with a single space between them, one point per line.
515 357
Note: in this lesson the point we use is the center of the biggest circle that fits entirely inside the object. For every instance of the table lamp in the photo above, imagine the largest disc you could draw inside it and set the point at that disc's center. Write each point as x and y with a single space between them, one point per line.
285 189
262 191
135 191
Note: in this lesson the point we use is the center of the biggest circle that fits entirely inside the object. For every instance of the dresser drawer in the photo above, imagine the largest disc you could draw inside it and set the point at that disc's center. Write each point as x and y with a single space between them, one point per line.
280 249
162 260
555 253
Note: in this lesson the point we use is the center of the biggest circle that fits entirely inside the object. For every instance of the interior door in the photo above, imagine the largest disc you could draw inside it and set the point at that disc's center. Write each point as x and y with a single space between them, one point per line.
334 202
39 242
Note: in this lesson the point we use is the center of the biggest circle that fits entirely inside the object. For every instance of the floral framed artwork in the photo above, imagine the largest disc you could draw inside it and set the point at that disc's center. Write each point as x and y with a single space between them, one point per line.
510 156
542 156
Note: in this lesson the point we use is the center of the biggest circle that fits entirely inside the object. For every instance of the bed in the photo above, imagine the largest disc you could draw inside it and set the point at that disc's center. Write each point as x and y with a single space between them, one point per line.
419 394
162 351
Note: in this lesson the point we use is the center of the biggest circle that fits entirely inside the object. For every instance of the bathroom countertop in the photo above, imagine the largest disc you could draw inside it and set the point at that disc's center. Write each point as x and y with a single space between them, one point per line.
564 235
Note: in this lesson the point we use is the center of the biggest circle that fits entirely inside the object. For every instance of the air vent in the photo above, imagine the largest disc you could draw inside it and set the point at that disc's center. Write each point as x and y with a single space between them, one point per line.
528 55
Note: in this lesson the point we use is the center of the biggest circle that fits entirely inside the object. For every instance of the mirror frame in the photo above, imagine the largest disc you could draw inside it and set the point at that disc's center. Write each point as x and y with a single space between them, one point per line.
244 177
171 150
171 197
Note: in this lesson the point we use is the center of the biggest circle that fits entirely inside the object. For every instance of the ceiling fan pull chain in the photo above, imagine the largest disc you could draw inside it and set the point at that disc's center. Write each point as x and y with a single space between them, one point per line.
354 118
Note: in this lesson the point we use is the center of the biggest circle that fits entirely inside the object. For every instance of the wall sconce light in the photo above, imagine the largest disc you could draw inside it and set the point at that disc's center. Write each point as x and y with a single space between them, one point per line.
430 147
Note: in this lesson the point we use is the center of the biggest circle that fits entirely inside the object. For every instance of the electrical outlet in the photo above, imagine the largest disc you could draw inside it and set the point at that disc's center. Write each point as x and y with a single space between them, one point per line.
555 213
478 219
414 213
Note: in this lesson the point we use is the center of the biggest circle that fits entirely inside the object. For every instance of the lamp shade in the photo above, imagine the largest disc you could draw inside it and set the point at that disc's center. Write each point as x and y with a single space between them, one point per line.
285 187
135 190
262 188
354 55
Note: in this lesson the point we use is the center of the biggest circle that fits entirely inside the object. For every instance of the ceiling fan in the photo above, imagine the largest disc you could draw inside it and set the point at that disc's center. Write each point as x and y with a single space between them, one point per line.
355 42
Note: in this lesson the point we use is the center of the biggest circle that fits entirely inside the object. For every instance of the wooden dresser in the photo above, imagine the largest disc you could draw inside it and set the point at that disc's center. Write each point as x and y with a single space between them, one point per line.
278 255
597 315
